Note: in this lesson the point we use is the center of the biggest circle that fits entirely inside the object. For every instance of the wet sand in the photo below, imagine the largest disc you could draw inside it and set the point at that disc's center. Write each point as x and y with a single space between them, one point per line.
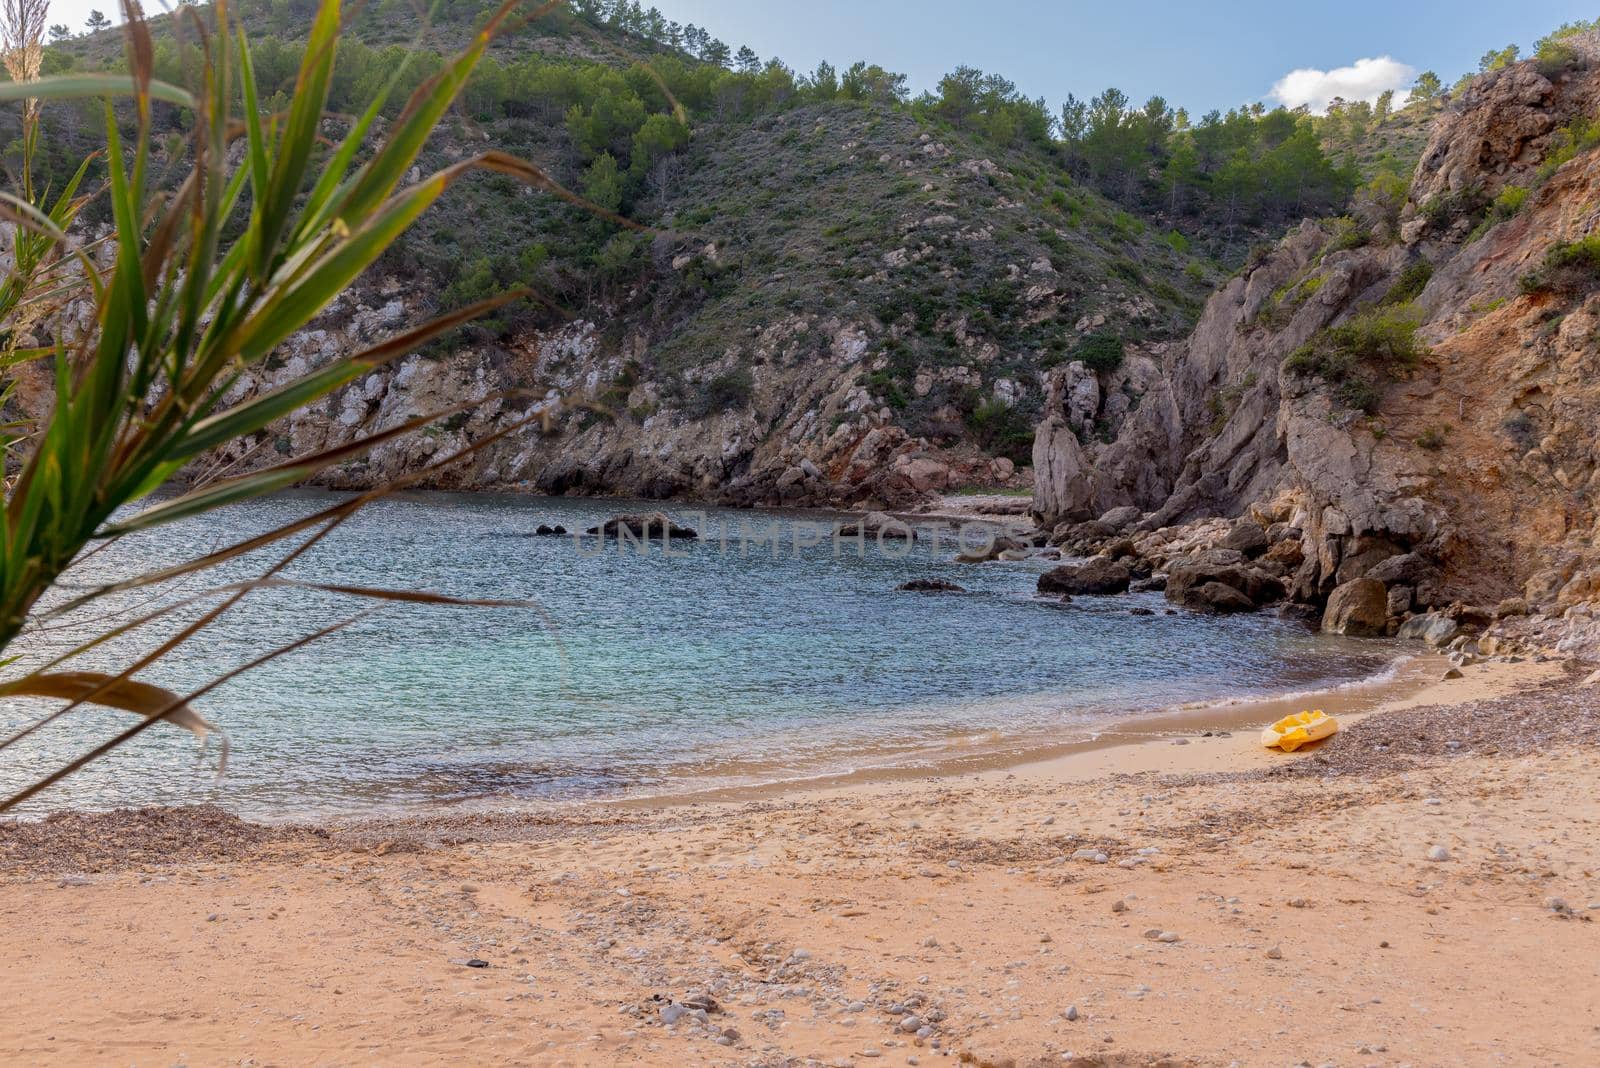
1128 904
1130 743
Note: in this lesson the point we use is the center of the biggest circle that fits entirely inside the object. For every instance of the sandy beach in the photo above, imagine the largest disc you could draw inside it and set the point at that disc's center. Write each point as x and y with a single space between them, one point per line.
1148 903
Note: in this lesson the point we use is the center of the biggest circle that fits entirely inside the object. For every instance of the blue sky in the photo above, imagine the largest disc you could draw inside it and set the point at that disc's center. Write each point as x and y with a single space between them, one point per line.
1197 54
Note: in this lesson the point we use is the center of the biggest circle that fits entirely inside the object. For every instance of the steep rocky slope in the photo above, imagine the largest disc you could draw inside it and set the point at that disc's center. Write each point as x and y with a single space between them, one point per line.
867 325
1466 448
840 302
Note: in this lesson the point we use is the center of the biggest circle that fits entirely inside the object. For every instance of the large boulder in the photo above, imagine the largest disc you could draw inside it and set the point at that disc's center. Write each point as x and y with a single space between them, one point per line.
1096 577
1247 537
1434 628
1290 552
1359 557
1221 567
1063 477
1359 609
644 526
1407 569
1120 519
1216 597
999 549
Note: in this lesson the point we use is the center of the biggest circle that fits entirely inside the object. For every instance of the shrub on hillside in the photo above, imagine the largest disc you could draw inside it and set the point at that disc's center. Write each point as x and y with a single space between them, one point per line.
1570 269
1443 209
1409 286
1003 430
1376 206
1357 357
1100 352
1348 233
729 390
1556 52
1567 144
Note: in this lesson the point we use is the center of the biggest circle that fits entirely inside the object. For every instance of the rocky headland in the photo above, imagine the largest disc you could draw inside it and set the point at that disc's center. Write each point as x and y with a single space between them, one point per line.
1386 421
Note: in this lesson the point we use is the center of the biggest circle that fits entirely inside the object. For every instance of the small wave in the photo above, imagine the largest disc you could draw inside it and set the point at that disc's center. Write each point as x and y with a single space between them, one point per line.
1389 673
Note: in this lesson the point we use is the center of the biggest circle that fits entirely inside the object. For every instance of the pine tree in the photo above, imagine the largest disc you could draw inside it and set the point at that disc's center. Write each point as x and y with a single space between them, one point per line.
96 21
1382 109
602 183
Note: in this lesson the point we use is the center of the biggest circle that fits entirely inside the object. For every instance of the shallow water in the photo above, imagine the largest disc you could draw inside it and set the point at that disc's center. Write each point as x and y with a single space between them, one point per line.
718 663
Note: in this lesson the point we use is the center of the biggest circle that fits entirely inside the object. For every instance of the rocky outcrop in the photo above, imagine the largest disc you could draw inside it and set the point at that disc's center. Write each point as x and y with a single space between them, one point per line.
1096 578
1497 134
1466 476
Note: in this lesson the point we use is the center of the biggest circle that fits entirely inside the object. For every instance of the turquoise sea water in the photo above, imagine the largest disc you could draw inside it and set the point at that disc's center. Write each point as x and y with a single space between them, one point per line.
638 674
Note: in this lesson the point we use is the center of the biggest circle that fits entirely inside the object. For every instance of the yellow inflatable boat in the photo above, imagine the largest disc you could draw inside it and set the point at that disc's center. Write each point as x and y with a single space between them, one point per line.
1291 732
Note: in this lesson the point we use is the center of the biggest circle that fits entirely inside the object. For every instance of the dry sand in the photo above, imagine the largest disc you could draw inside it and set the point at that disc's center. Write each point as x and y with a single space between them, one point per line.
928 921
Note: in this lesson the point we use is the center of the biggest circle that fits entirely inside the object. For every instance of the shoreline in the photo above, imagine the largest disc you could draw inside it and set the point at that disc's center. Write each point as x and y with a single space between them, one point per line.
1126 905
1123 736
1134 738
1194 736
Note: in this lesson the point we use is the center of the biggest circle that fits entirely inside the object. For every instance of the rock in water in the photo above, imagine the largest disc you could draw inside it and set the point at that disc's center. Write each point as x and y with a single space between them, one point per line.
1359 609
1216 597
644 526
999 549
1097 577
931 586
1228 569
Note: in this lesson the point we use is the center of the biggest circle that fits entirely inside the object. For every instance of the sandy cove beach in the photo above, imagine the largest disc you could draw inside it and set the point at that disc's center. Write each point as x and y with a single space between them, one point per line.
1205 903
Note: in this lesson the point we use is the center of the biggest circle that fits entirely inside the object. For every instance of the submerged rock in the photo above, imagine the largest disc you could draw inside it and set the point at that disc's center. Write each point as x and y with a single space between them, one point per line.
644 526
546 531
931 586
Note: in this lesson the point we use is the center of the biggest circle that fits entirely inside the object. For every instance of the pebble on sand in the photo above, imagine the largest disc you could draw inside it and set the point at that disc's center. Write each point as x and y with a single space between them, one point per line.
1438 853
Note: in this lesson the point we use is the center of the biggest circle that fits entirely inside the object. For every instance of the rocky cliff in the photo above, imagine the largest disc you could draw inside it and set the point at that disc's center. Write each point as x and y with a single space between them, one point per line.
1420 385
840 307
835 296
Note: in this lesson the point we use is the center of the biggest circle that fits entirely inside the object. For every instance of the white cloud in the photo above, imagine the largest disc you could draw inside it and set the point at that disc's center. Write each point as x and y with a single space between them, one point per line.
1365 79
